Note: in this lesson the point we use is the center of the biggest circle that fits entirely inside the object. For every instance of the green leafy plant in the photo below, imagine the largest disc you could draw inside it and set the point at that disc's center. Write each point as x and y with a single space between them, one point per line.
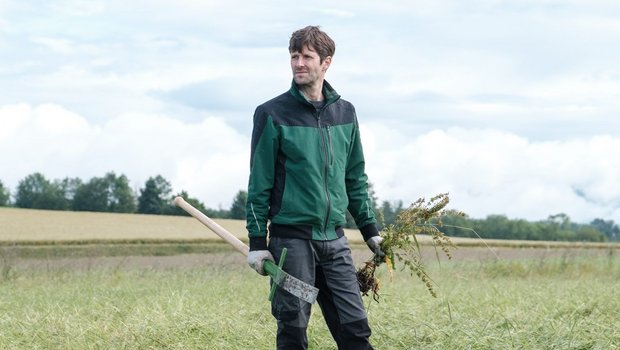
401 246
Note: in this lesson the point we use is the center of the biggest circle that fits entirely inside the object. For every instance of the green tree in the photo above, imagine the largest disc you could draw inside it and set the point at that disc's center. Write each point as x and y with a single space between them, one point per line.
92 196
495 226
4 195
174 210
155 196
65 191
558 227
237 209
561 219
458 226
123 199
608 227
110 193
374 202
37 192
390 212
69 187
519 229
590 234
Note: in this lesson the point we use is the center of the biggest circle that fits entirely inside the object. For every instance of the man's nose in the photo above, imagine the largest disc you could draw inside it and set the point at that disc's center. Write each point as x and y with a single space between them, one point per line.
299 62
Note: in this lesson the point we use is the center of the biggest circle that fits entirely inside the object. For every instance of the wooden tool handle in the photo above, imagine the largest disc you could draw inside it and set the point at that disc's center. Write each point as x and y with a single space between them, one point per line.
212 225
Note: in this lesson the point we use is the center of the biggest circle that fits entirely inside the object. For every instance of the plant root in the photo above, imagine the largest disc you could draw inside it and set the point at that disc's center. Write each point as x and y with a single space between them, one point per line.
367 281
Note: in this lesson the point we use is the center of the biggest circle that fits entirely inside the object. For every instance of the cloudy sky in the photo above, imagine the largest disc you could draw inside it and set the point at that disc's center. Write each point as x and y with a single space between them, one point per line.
513 107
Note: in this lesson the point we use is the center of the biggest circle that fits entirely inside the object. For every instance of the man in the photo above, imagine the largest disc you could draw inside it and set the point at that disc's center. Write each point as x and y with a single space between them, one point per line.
306 170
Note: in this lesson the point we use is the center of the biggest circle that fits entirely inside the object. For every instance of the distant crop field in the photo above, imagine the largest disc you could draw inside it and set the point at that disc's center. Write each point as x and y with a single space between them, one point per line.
52 234
28 225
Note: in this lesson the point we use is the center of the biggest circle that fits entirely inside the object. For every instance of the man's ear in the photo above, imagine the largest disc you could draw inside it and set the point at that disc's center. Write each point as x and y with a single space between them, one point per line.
326 62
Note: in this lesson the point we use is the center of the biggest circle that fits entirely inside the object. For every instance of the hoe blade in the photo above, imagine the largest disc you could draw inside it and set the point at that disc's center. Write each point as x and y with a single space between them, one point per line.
297 287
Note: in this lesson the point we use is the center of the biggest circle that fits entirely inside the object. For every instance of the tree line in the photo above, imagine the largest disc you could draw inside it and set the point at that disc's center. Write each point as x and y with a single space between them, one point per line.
557 227
109 193
112 193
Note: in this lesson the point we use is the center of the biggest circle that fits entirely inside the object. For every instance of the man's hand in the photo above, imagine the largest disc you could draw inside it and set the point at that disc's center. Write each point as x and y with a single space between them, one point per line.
256 258
374 243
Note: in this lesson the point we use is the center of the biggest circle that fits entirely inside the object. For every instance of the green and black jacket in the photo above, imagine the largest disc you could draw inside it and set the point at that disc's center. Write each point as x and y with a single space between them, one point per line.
306 170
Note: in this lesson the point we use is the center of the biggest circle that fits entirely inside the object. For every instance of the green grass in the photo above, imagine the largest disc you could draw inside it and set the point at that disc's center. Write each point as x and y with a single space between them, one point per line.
111 309
564 298
537 304
570 302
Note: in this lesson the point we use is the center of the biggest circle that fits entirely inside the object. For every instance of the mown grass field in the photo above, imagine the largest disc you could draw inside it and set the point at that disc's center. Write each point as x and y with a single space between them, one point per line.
507 297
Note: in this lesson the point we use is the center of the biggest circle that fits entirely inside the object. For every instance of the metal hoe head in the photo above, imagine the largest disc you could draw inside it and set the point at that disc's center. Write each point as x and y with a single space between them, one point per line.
296 287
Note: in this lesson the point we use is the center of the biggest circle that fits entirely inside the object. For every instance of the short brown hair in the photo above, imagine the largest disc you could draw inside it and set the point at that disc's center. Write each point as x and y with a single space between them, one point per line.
315 38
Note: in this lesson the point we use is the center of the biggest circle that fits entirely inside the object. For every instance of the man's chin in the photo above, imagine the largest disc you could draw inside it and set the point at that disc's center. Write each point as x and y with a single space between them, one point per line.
301 81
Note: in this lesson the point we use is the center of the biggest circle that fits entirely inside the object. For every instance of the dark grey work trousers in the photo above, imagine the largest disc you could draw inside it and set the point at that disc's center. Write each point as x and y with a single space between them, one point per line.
328 266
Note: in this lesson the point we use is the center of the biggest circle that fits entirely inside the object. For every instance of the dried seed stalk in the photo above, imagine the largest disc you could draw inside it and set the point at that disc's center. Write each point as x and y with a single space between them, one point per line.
400 243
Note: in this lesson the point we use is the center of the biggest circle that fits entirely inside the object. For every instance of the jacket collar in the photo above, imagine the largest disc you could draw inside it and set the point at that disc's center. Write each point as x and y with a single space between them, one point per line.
329 93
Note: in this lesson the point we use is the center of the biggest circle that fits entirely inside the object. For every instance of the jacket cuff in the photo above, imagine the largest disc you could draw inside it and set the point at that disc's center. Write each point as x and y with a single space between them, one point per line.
258 243
368 231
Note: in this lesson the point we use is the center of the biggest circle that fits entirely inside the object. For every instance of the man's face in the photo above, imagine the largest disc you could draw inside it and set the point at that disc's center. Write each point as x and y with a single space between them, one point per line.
307 67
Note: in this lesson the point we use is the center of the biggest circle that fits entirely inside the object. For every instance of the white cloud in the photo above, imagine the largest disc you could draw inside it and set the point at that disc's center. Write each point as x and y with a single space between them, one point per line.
13 117
334 12
583 88
209 159
58 45
44 139
92 86
493 172
78 7
486 171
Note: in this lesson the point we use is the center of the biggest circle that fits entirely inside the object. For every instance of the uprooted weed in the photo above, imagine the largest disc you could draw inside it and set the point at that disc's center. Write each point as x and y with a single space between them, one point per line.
401 245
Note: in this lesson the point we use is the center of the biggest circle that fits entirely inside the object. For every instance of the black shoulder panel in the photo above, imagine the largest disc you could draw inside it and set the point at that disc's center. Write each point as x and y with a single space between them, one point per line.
339 113
286 110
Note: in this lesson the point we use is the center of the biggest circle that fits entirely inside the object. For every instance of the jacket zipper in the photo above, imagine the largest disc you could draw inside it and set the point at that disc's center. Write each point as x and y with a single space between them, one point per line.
326 153
331 149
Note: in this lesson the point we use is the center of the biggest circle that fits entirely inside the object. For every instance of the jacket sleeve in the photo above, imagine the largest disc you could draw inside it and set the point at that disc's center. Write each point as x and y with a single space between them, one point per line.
263 155
356 180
